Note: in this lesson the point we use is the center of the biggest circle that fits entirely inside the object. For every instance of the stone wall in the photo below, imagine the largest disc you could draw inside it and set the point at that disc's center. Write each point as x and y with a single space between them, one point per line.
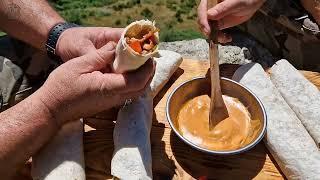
242 50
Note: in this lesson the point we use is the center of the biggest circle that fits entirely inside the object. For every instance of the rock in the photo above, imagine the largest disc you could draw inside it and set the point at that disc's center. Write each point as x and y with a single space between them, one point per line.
244 49
193 49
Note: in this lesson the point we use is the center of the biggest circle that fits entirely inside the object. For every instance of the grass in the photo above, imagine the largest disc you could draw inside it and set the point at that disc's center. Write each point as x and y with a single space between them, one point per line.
178 35
175 18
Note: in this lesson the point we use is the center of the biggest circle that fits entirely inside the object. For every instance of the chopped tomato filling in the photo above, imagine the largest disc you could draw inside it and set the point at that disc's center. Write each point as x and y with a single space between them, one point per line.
144 45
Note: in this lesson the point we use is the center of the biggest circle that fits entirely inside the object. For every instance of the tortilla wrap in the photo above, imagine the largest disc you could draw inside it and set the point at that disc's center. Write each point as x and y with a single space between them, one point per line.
302 96
62 158
126 58
132 150
288 141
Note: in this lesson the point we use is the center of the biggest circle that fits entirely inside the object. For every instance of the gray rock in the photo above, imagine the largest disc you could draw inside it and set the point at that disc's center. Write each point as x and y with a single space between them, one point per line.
193 49
244 49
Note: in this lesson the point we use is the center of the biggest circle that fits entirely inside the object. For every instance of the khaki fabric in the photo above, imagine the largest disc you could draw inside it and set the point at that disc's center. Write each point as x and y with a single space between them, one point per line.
22 71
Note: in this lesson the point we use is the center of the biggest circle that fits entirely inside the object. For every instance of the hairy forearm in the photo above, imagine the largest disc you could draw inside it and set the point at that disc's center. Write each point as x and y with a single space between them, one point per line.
28 20
24 129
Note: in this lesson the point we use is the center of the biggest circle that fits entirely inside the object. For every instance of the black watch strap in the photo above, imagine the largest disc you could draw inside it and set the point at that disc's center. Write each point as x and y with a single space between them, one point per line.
53 37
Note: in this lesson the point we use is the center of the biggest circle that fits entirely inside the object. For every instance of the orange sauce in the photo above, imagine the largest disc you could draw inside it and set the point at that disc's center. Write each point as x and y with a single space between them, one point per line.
231 133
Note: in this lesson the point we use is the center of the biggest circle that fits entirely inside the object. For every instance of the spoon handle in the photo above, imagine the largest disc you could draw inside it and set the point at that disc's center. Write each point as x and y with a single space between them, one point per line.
218 110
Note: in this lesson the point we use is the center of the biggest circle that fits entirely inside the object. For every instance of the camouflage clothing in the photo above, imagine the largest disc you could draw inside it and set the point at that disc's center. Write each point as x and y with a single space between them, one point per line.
22 71
279 26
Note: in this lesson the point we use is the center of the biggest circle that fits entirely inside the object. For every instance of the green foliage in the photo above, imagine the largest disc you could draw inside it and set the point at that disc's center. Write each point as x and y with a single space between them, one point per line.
175 18
100 13
192 16
160 3
73 16
77 10
146 13
178 16
178 35
172 4
118 22
126 5
129 20
72 4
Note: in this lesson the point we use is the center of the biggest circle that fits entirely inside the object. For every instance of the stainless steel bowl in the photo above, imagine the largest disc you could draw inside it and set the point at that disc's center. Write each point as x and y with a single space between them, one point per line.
200 86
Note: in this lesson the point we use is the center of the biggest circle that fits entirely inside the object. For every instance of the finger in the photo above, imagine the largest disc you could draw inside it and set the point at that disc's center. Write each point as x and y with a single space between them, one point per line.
113 34
223 9
86 49
107 35
231 21
99 59
135 94
202 18
129 82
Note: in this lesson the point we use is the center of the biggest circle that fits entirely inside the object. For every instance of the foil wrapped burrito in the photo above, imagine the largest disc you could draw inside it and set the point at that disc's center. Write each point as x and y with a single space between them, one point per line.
138 43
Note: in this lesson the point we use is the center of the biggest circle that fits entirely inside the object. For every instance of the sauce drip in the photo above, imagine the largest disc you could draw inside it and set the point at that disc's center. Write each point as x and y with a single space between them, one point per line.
231 133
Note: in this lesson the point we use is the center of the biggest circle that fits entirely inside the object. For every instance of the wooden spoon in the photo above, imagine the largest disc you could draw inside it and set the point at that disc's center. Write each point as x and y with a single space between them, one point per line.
218 110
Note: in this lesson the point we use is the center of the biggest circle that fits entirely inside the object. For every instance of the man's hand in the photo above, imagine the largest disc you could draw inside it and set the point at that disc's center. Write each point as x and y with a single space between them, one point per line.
79 41
228 13
83 86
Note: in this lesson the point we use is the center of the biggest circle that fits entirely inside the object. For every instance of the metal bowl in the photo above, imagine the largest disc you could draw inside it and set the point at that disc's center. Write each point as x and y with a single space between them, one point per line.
201 86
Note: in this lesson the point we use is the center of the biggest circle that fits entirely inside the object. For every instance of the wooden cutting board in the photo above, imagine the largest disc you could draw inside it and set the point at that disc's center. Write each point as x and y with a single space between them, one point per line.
173 159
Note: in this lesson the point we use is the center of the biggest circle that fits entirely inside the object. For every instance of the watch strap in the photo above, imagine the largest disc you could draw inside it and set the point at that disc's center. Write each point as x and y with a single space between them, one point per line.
53 37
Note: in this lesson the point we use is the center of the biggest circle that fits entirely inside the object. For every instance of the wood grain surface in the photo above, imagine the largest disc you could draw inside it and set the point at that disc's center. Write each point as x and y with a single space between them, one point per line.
173 159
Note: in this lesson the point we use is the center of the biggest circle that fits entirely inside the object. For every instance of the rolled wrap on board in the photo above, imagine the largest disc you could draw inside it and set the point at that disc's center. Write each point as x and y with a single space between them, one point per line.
302 96
126 58
132 157
288 141
62 158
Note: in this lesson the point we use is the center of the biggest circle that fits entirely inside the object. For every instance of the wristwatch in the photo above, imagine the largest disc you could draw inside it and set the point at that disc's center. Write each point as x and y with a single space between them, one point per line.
53 37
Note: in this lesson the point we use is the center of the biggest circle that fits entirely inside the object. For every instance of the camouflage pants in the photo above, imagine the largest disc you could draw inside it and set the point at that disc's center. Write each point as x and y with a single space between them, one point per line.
22 71
278 26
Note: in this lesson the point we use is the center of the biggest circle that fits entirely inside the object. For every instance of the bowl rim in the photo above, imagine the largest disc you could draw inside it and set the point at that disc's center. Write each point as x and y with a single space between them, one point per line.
214 152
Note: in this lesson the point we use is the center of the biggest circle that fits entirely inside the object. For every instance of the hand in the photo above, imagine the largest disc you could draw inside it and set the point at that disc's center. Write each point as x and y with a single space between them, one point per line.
75 42
82 87
313 7
228 13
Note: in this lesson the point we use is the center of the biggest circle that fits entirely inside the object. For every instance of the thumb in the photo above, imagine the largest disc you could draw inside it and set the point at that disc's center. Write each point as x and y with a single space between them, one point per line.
100 58
223 9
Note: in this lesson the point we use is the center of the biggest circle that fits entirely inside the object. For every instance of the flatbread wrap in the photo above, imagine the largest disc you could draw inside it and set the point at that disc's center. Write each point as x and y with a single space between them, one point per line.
287 139
132 149
138 43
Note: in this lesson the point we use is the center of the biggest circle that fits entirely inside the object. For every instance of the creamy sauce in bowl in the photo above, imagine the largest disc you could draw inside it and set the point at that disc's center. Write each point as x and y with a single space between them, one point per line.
232 133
